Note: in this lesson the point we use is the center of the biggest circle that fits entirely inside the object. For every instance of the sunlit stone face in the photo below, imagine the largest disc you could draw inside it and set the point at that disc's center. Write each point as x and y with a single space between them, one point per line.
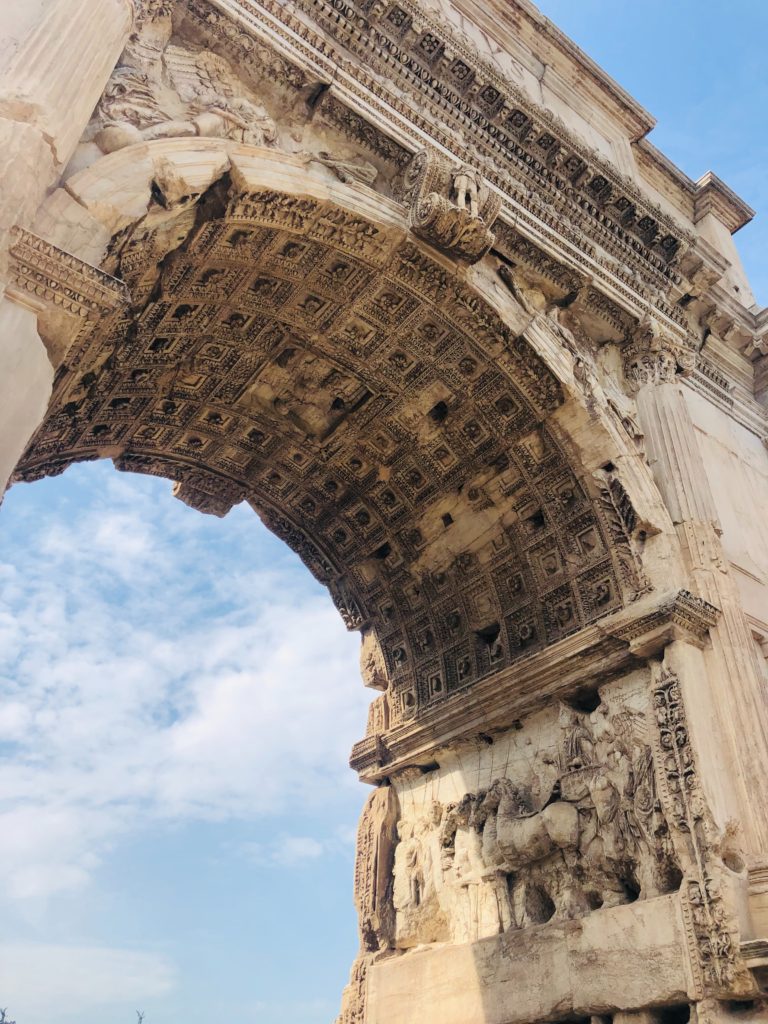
379 415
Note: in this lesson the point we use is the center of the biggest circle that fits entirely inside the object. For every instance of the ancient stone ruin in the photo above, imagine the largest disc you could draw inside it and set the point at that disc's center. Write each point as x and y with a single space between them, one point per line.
408 278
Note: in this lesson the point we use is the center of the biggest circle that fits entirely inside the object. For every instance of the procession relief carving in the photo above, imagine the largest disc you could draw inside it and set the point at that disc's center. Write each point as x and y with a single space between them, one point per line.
569 823
572 812
162 90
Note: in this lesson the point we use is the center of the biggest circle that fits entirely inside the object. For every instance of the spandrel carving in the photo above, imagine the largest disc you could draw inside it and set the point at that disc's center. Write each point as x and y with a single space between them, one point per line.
164 90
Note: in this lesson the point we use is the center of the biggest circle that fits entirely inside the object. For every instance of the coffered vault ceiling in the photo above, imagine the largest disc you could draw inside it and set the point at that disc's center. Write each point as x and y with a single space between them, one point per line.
375 411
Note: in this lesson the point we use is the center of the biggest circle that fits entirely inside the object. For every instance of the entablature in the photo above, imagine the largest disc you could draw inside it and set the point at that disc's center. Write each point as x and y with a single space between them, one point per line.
396 80
599 651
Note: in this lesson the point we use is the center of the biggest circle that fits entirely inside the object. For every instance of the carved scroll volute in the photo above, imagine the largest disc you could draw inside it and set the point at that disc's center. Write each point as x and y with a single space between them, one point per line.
450 205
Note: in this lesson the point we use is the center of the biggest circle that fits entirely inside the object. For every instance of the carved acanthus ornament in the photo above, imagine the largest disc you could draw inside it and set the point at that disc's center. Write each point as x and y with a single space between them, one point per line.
655 357
563 198
623 524
425 437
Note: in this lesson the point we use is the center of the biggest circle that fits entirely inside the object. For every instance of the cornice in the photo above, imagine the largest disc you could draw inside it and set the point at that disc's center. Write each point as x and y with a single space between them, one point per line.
481 104
355 90
715 197
613 645
580 234
681 179
44 276
635 119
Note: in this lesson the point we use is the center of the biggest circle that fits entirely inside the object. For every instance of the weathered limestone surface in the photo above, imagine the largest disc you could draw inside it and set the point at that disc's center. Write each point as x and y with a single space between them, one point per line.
619 958
23 359
409 279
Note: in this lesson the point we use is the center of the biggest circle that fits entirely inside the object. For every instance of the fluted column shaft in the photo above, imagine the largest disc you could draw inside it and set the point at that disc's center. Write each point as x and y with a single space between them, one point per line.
735 682
56 57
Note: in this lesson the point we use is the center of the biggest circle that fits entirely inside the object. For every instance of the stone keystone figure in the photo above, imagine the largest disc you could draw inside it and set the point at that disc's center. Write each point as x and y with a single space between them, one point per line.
466 189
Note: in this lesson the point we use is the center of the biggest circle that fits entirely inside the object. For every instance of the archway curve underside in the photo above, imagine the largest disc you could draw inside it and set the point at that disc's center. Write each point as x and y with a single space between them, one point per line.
373 408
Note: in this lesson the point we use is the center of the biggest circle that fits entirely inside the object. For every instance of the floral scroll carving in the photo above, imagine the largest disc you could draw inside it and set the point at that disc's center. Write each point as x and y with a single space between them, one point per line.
711 932
654 357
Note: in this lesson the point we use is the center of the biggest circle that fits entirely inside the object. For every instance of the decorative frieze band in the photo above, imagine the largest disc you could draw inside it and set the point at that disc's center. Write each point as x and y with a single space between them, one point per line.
566 196
611 645
51 277
591 220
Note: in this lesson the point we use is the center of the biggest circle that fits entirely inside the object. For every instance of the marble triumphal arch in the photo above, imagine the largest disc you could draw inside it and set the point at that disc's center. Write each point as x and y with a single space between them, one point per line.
408 278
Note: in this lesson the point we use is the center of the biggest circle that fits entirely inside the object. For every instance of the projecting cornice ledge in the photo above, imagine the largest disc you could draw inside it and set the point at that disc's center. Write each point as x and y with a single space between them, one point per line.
43 276
600 651
714 196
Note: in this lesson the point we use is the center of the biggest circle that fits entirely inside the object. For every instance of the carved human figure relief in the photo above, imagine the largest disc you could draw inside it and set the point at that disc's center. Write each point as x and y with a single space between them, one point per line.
162 90
466 189
572 824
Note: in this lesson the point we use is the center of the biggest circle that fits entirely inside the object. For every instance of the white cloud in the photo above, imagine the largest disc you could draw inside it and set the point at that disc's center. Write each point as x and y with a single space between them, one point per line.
47 980
292 850
147 678
286 851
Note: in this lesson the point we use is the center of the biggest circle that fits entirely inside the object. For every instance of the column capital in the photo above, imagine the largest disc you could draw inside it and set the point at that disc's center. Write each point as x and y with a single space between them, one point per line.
150 10
653 356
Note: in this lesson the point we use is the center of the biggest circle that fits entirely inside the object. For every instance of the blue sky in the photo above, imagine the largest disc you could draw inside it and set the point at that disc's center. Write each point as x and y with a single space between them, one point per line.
178 700
178 697
699 67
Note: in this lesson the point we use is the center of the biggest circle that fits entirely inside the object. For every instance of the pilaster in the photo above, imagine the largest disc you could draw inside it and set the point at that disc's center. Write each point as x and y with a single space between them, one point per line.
56 75
54 63
732 679
24 364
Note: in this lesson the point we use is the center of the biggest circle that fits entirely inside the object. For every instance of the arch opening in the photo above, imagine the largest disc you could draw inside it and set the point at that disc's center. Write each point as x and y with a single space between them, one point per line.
294 347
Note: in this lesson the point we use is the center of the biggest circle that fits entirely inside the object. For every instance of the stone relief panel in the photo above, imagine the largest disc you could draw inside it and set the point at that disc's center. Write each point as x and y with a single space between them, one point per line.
190 71
551 821
583 806
160 89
